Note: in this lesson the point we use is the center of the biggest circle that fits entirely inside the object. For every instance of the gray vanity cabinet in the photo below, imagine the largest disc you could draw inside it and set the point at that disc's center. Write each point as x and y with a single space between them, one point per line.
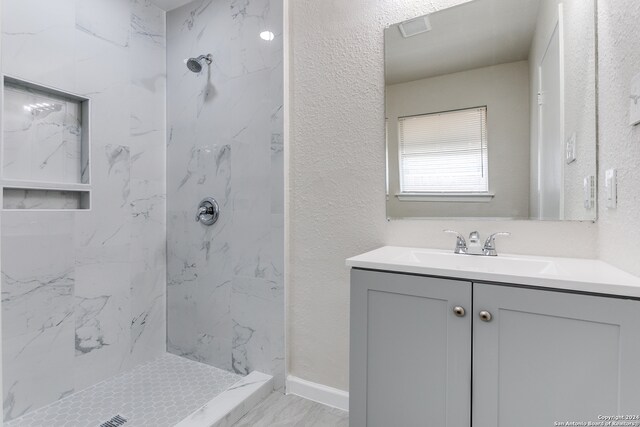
410 361
550 357
539 356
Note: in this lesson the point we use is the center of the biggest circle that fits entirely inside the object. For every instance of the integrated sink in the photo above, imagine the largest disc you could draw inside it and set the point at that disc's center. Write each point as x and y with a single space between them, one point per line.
584 275
503 264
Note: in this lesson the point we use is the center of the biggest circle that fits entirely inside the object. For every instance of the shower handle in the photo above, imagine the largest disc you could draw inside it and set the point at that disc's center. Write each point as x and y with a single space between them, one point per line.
208 211
201 211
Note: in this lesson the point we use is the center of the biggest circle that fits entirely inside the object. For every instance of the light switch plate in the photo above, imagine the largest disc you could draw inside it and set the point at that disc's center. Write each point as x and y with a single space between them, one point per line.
589 191
634 101
611 188
570 149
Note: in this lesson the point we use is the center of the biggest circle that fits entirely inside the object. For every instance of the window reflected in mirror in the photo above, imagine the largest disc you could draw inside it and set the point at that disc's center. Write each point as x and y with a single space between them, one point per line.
491 113
444 153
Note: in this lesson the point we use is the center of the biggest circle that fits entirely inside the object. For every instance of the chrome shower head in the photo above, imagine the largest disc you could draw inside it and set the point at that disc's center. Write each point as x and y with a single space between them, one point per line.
195 64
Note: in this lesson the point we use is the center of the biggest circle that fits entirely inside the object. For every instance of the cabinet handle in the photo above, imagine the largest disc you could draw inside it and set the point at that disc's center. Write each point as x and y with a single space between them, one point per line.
485 316
459 311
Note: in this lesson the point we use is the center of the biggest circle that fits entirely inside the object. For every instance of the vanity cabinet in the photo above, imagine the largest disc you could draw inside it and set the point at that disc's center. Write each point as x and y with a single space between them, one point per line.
410 354
550 356
536 356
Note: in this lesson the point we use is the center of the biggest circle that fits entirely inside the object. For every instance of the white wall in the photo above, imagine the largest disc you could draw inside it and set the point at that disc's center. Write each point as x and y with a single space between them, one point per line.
337 178
504 90
619 61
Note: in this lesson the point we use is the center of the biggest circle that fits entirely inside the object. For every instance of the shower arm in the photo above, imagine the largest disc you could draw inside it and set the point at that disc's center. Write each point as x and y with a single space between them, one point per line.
208 58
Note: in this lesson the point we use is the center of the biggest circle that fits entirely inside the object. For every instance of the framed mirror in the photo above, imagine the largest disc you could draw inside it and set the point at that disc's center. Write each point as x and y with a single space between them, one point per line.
491 111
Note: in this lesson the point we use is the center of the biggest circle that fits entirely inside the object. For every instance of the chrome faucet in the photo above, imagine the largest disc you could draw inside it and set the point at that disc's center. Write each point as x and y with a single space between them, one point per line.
474 244
474 248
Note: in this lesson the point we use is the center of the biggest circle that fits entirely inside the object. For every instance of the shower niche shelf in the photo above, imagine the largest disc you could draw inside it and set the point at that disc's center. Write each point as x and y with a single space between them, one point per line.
45 150
45 196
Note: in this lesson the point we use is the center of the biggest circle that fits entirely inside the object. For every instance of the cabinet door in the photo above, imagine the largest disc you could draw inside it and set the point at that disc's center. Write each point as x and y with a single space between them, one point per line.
410 359
548 357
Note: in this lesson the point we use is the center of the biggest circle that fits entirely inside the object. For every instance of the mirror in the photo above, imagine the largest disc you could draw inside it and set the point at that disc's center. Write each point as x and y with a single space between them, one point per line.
491 111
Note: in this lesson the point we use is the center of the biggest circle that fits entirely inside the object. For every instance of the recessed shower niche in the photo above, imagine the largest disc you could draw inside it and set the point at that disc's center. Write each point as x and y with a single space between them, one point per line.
45 148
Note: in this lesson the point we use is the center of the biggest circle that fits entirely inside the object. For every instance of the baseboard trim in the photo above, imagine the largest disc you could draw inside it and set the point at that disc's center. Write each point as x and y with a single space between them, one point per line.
318 392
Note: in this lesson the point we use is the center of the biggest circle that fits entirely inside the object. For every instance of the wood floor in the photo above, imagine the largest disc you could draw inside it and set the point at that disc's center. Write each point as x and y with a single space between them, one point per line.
279 410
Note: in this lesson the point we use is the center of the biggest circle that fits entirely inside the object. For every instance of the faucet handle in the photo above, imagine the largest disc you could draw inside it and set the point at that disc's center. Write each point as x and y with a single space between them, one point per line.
461 243
489 247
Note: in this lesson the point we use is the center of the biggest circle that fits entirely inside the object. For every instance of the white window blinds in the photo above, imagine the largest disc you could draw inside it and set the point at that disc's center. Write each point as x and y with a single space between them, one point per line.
444 152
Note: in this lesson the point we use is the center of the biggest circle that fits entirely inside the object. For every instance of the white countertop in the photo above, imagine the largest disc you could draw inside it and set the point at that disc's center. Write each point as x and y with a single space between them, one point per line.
584 275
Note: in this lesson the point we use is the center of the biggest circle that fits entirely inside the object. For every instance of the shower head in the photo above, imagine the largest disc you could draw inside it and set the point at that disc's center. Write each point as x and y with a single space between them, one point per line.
195 64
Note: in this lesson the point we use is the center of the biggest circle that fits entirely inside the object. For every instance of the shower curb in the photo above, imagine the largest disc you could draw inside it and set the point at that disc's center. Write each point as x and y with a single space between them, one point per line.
228 407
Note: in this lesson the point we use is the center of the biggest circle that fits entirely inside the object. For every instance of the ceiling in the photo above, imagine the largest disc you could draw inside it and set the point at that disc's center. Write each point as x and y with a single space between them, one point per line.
170 4
476 34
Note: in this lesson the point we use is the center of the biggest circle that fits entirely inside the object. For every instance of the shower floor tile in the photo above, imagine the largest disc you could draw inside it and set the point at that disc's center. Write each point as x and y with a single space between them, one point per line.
158 393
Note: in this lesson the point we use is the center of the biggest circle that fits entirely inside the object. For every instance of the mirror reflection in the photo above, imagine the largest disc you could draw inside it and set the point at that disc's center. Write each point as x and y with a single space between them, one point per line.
491 112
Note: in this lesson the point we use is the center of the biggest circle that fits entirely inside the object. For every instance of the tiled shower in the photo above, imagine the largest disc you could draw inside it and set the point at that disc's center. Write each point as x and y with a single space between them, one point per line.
225 289
104 268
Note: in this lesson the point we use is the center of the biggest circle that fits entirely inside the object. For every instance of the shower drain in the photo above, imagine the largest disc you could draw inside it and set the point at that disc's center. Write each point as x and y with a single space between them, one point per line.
116 421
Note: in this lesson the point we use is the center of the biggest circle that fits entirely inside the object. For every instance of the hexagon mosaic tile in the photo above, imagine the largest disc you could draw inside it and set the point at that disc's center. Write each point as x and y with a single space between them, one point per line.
156 394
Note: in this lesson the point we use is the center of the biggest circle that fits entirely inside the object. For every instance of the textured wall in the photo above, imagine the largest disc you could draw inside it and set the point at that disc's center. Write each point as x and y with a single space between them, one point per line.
83 293
619 61
225 282
504 90
337 177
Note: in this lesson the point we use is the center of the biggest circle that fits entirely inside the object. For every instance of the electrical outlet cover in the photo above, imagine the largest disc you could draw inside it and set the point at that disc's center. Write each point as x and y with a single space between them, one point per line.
634 101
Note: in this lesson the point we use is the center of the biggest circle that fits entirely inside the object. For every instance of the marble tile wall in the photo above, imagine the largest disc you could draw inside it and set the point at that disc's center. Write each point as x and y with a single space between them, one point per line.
225 295
17 198
41 143
83 292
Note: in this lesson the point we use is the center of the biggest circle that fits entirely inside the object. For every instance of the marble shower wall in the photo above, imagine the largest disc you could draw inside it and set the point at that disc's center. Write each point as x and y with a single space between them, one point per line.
41 144
83 292
225 282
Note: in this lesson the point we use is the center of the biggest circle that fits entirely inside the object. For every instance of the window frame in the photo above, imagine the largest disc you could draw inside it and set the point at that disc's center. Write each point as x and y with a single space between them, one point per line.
444 196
